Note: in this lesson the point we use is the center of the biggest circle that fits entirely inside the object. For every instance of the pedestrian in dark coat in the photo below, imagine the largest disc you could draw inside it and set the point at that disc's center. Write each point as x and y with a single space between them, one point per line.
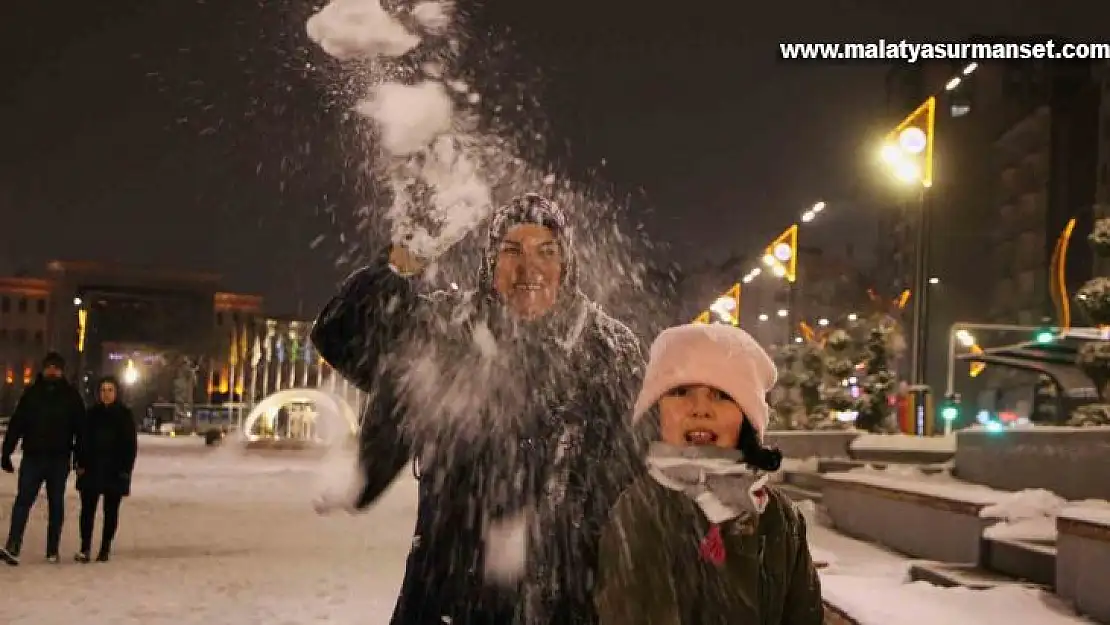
45 422
107 446
702 539
514 400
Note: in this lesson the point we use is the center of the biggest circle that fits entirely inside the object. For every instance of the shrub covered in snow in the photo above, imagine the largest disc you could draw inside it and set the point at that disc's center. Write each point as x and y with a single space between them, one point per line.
1090 415
1094 357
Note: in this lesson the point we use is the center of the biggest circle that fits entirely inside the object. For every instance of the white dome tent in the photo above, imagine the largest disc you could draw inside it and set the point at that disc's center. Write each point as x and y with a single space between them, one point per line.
324 417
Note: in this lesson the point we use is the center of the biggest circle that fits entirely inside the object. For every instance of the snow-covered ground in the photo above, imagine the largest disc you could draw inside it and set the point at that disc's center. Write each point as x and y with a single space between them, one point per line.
227 537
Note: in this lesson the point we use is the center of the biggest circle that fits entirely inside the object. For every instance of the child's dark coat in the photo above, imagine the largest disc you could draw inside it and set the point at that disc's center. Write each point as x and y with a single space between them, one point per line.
657 566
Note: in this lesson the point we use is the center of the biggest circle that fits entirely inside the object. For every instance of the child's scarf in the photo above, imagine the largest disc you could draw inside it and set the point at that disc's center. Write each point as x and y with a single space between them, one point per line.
715 478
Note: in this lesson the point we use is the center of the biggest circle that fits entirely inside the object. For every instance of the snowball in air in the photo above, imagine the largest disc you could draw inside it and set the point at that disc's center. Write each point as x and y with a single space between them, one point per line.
434 16
409 116
352 29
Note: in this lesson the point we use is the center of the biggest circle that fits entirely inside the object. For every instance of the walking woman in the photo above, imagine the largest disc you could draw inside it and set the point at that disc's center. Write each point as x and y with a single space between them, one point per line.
107 444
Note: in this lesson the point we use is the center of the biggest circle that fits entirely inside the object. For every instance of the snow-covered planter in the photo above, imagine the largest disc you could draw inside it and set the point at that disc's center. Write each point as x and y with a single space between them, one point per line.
904 448
935 518
1083 558
1072 462
1090 415
803 444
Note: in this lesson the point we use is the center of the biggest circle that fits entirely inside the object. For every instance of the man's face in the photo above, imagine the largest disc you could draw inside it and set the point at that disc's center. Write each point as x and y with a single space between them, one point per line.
52 371
529 270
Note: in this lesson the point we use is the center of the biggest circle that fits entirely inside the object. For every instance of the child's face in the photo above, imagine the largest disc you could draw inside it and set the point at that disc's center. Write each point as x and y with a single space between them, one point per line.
699 415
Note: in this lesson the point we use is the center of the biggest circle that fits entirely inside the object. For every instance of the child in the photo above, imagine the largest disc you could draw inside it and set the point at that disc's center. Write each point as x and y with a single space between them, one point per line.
702 539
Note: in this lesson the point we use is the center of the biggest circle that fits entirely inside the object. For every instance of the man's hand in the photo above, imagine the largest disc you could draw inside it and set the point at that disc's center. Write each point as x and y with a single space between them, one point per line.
6 464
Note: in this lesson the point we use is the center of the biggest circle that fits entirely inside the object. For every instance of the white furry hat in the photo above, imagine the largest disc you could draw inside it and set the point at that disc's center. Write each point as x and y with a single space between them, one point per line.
717 355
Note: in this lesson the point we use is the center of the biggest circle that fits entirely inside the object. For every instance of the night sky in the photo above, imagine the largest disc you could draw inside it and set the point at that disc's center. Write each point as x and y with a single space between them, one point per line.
190 135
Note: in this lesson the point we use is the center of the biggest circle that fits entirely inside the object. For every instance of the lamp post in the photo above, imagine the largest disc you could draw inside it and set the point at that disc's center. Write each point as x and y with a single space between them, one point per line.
908 153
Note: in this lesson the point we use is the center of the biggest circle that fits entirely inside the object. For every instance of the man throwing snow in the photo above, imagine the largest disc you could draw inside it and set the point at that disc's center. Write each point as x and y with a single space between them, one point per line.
513 401
45 421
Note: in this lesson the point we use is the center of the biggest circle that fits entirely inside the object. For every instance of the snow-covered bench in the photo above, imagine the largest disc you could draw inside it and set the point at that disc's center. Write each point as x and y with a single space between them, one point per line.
930 517
1083 558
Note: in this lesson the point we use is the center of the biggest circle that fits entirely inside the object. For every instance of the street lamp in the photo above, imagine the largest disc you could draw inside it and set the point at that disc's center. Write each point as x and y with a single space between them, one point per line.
965 338
908 154
130 373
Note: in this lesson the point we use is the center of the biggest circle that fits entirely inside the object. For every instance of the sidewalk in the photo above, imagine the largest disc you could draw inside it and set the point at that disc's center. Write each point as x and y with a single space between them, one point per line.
869 585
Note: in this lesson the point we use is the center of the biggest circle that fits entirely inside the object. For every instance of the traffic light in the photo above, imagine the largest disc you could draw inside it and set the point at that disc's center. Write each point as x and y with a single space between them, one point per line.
781 256
908 149
1045 335
950 410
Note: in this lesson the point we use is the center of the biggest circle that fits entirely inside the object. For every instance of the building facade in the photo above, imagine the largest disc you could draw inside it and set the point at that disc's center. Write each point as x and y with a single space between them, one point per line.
142 325
24 328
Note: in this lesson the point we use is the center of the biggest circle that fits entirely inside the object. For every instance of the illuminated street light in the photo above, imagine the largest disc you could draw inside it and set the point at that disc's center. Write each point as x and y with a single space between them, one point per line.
769 260
779 271
747 279
797 339
783 312
724 303
763 317
913 140
130 374
853 317
907 172
808 216
783 252
965 338
77 301
890 154
934 280
822 322
971 67
818 207
952 84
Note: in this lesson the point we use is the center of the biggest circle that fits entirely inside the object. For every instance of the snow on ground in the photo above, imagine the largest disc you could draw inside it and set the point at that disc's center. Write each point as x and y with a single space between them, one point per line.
1094 511
871 584
227 537
879 600
218 538
1023 515
906 442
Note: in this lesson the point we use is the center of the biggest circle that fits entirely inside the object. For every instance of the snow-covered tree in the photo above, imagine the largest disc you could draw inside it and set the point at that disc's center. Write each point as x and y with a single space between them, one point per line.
796 397
785 396
1094 357
878 383
840 356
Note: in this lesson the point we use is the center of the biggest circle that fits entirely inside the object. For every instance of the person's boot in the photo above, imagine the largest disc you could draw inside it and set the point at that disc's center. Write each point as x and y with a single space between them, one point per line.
82 557
9 554
105 553
53 558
